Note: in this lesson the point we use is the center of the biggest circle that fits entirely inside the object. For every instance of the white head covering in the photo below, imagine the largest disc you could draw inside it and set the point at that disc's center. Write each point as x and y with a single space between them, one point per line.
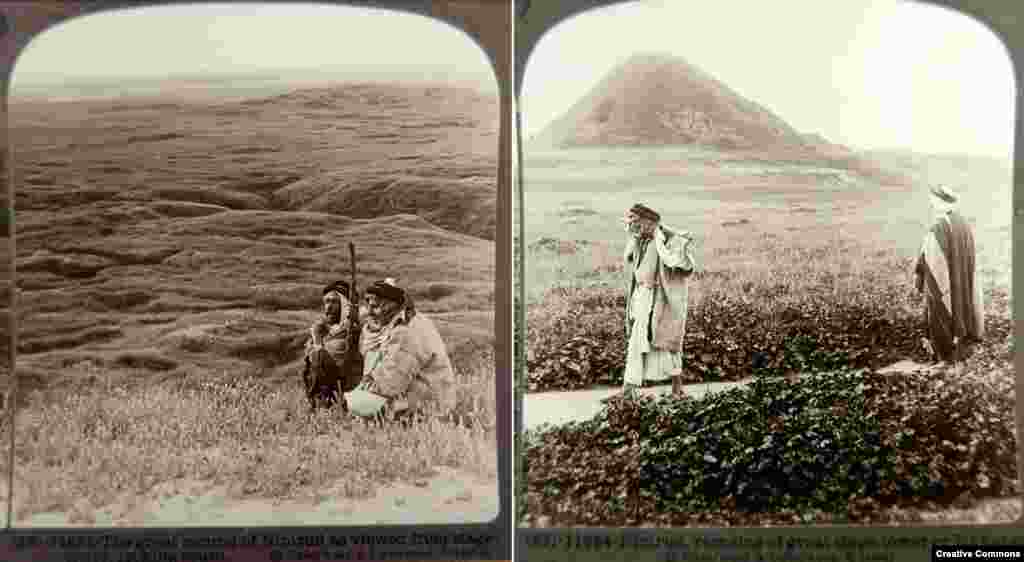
943 199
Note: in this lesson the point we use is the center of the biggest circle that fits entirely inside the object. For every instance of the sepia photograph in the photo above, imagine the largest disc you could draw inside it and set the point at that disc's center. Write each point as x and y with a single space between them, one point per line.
255 270
767 268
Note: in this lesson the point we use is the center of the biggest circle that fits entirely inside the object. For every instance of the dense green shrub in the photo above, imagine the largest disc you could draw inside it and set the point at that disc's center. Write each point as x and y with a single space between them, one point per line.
835 446
576 339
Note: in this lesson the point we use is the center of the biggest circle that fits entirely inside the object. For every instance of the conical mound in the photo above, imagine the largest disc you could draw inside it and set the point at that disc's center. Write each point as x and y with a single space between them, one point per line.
657 99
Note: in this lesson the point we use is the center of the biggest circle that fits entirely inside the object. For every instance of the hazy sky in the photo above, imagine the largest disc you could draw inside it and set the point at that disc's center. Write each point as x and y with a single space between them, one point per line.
867 73
153 42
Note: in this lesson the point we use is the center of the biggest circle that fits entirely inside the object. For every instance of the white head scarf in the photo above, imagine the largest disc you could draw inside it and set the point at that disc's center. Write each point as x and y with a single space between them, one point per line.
943 199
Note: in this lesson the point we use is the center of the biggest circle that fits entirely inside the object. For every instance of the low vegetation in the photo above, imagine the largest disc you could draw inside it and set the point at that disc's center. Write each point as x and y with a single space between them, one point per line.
791 318
92 448
842 446
808 314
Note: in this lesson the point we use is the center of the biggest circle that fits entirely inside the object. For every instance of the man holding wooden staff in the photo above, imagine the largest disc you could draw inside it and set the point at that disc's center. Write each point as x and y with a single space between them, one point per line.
334 364
328 347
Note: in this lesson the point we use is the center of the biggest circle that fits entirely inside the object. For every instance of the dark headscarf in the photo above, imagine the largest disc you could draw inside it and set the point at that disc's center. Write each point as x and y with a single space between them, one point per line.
386 290
644 212
339 286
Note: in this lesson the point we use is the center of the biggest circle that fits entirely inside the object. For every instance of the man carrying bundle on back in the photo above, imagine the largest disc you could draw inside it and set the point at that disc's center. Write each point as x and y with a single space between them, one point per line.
659 262
407 371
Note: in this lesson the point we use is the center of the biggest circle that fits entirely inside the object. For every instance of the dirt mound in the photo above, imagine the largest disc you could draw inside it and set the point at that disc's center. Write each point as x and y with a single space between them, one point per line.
393 95
71 265
39 280
574 211
213 196
70 340
123 250
654 99
560 246
234 232
405 220
186 209
466 205
660 100
270 342
151 360
256 225
378 235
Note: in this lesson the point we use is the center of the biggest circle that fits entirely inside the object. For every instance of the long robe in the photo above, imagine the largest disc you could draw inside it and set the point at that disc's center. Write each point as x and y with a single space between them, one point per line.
946 273
409 365
656 306
329 364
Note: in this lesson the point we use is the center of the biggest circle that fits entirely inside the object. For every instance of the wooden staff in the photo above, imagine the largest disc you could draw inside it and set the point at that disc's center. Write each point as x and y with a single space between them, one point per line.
354 363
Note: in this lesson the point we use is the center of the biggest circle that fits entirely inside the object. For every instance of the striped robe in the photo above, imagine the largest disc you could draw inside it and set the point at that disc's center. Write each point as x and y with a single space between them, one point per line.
946 275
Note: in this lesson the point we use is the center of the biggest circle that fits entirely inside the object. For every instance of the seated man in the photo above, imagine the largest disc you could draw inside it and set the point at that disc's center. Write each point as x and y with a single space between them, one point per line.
407 372
329 362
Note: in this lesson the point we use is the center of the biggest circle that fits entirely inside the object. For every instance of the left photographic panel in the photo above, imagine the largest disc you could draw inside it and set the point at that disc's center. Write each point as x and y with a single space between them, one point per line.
8 330
256 269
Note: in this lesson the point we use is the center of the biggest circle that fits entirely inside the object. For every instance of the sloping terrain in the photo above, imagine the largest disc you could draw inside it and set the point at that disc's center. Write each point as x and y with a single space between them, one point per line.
159 238
957 170
657 100
124 156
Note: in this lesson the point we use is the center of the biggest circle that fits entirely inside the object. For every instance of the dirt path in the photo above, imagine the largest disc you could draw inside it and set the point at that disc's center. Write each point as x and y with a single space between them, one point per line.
559 408
450 497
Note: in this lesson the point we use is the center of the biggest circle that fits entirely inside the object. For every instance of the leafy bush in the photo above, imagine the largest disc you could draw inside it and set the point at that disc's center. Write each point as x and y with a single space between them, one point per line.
576 339
840 446
737 326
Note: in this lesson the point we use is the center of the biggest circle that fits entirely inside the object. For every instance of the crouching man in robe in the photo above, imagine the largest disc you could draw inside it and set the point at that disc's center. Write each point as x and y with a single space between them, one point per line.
407 373
658 264
330 367
946 274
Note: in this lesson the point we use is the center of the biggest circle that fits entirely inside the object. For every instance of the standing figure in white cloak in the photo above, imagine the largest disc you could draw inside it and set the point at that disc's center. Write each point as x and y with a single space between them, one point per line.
946 274
658 264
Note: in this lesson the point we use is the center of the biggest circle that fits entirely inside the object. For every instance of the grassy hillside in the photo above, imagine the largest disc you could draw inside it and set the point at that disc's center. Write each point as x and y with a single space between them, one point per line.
171 256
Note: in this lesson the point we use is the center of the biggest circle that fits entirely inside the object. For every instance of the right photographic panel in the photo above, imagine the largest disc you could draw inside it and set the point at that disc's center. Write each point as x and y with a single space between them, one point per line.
767 267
